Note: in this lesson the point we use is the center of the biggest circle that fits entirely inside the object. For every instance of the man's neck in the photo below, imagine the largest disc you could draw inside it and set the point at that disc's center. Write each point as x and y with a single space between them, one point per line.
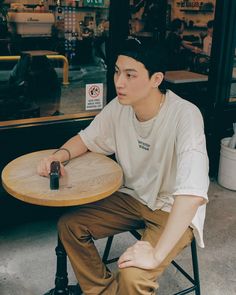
149 108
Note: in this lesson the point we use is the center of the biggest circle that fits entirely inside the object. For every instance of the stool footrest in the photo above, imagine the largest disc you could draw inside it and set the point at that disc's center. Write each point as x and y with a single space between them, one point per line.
193 280
186 291
183 272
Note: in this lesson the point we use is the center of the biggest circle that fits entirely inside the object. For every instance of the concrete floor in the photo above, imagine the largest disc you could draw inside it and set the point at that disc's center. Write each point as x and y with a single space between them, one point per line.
27 259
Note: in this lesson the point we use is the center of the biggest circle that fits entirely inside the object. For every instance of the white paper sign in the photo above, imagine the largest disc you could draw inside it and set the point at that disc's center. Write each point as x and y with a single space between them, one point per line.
94 96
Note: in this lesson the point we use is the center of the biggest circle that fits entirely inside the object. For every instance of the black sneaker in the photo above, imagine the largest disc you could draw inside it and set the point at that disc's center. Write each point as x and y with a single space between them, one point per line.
72 290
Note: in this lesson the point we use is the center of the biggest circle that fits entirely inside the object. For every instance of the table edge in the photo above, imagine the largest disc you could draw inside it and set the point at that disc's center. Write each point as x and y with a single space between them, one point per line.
59 203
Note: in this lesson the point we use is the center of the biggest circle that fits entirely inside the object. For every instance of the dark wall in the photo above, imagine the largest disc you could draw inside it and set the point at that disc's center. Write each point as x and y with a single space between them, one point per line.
119 29
221 114
19 140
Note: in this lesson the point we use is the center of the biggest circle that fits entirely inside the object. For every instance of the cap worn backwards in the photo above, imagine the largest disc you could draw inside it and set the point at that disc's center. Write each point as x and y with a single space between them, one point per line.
153 58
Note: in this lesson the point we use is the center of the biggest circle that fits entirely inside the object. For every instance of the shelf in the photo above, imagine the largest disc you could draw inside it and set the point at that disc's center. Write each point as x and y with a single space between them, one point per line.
196 28
197 10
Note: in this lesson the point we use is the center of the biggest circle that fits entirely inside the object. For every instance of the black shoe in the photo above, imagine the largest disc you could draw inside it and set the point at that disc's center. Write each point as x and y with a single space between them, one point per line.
75 290
72 290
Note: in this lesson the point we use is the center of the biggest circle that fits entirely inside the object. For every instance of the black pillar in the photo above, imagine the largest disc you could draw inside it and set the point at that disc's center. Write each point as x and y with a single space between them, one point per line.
119 30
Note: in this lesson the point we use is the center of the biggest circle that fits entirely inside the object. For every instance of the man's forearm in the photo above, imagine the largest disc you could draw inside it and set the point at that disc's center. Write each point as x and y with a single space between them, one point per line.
75 146
182 213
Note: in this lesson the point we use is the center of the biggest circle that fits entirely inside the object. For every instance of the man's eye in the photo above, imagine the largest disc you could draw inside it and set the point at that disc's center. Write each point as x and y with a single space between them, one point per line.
130 76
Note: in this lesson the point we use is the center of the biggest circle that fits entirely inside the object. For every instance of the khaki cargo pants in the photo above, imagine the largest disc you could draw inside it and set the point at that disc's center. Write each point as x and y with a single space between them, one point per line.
115 214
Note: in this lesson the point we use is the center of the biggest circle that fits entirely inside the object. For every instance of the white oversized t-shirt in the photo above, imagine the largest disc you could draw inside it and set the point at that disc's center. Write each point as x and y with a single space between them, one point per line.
161 158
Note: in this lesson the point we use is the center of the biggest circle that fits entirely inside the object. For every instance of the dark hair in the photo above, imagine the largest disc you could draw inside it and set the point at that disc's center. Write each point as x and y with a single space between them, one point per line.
176 24
153 58
210 24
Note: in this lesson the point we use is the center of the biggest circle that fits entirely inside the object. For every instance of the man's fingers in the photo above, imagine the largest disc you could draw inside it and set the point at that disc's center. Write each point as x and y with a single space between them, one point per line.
124 257
126 264
48 167
63 171
42 170
44 167
125 260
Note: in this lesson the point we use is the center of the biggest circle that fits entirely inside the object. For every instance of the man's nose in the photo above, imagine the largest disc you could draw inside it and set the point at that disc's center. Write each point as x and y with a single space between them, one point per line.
119 81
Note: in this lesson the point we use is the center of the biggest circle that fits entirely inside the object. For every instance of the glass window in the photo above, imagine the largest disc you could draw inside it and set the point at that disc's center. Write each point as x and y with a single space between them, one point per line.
147 19
52 58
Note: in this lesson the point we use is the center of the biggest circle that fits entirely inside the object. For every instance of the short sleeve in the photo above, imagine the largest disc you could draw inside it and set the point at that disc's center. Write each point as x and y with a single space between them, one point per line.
99 135
192 160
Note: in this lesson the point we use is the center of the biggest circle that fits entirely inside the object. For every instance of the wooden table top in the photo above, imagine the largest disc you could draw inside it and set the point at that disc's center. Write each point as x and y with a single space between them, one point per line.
177 77
90 177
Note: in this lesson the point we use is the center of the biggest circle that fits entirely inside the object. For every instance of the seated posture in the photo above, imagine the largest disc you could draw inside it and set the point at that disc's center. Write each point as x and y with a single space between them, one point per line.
180 52
158 140
202 61
207 41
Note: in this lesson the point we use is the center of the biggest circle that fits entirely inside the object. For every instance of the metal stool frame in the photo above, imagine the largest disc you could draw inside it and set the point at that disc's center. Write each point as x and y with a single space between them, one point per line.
194 280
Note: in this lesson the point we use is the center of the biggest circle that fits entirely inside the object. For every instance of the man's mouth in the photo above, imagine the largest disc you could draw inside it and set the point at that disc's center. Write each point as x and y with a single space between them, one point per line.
120 94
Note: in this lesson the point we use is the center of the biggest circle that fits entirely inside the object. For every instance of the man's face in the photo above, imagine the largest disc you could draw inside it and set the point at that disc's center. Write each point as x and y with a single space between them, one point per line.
132 81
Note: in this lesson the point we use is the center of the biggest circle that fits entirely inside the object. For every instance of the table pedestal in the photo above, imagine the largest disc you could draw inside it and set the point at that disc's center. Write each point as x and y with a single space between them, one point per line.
61 280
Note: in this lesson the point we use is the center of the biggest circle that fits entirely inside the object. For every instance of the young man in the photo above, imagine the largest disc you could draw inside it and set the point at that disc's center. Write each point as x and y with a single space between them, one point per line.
158 139
180 52
207 41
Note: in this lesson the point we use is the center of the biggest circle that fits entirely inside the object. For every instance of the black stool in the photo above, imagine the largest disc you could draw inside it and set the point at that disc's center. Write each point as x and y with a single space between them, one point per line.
194 280
61 279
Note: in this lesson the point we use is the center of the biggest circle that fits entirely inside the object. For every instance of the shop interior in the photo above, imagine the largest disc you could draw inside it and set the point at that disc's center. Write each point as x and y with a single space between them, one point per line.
32 31
36 31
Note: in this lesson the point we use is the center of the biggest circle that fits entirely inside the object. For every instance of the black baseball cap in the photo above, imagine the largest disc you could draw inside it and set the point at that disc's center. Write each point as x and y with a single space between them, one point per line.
152 57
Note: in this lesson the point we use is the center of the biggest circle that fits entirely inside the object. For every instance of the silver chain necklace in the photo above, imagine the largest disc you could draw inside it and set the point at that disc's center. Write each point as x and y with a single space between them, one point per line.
153 120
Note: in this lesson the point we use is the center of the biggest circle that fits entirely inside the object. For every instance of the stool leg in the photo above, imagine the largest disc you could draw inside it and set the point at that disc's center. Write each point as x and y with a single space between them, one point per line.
107 249
195 267
61 280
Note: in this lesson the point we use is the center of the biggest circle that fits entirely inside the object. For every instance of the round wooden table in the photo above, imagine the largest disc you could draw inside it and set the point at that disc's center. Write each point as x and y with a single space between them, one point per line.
89 178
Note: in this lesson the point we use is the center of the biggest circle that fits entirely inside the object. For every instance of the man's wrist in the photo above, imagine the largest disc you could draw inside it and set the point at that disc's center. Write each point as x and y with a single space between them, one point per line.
158 258
63 155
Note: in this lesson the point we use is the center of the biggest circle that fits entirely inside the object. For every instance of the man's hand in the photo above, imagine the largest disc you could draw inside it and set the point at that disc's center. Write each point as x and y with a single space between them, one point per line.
141 255
44 165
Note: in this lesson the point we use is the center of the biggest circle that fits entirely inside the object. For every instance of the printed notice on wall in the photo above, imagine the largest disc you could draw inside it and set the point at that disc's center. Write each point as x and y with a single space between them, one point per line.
94 96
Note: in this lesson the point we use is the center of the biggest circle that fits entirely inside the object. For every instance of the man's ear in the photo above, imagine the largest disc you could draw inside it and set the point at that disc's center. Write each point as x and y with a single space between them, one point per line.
157 78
